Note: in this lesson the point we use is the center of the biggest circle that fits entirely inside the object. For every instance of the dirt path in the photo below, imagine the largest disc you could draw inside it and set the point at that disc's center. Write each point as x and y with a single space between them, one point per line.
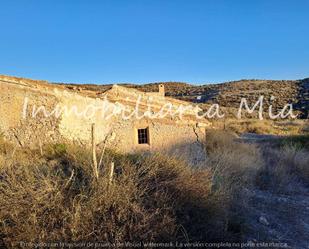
257 138
274 217
279 218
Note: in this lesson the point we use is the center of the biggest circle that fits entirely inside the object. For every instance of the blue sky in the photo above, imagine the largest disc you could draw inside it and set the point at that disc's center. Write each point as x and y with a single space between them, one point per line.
154 40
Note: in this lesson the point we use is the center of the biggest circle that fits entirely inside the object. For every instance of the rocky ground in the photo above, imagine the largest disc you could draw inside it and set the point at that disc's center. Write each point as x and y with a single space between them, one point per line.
277 216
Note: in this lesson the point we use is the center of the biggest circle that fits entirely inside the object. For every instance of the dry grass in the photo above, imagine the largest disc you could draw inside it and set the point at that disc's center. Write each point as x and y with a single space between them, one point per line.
234 166
236 160
55 197
300 141
285 168
240 168
289 127
153 198
217 140
306 128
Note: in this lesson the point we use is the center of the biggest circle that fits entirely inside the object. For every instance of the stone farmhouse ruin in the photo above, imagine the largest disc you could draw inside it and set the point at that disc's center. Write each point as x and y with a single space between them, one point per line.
37 112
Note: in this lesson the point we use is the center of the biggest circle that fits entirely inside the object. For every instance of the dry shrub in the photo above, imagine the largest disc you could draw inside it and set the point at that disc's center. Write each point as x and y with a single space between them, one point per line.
305 129
260 127
285 168
300 141
250 126
5 147
301 162
219 140
236 126
152 198
235 166
290 127
234 161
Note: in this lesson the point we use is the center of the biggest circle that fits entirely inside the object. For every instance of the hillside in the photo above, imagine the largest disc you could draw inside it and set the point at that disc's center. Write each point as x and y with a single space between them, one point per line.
229 94
226 94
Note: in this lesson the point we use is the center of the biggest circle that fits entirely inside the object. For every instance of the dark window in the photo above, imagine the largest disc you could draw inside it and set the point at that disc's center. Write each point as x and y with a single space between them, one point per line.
143 136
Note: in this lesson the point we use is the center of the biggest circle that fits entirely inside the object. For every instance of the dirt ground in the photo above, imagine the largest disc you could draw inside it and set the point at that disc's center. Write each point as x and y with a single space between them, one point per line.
273 216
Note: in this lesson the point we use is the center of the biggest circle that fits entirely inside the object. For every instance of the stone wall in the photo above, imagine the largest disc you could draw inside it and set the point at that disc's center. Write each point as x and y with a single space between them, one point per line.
31 116
77 124
181 140
23 115
16 122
